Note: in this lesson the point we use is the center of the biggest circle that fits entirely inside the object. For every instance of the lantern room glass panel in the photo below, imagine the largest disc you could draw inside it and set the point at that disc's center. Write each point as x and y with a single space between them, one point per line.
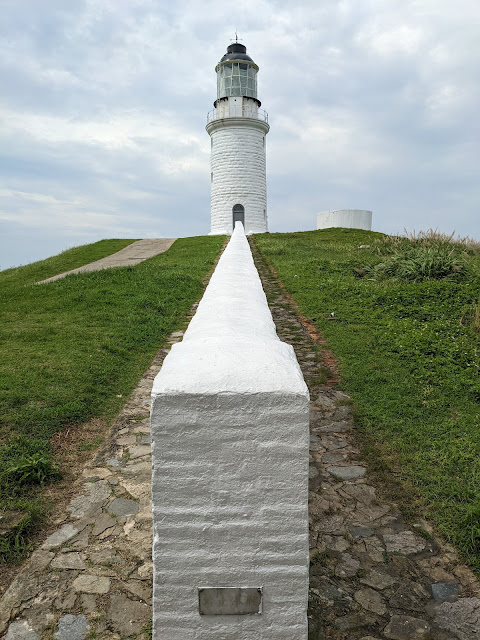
236 79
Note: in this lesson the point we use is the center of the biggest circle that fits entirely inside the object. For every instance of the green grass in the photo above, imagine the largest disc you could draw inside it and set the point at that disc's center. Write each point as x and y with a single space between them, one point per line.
409 351
74 349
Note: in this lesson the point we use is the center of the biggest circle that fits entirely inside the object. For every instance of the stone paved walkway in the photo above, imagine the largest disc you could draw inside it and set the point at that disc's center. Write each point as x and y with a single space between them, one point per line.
92 578
128 257
372 576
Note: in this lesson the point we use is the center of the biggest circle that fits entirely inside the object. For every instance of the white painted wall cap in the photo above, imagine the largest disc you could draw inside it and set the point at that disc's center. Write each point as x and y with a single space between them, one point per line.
231 343
213 366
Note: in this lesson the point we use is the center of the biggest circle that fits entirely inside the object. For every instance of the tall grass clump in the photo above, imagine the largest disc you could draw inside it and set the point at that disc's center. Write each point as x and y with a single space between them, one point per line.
434 236
416 263
428 255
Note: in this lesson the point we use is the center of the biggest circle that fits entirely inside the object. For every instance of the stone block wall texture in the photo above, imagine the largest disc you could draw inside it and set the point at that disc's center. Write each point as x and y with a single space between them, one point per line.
238 173
345 218
230 466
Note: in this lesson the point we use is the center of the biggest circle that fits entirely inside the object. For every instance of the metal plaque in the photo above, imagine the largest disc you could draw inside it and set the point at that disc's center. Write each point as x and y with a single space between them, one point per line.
229 601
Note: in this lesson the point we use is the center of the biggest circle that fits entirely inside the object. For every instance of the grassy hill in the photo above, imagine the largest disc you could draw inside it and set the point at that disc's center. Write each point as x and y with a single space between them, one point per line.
403 319
72 350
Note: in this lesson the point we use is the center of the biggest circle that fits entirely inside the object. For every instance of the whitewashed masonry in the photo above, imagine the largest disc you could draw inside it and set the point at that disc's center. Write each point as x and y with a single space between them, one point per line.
345 218
237 128
230 470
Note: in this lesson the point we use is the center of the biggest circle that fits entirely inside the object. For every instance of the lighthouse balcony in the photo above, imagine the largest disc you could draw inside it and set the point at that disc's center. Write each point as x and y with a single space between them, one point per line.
237 111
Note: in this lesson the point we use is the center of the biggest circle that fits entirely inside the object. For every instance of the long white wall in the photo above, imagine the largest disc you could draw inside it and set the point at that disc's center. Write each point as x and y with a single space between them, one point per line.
230 468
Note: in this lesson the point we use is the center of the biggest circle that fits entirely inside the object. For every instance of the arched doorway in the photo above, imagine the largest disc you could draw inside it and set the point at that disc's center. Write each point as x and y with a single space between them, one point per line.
238 214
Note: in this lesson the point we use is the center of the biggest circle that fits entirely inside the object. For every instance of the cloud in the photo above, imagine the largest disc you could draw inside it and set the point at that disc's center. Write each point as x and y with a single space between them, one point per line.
372 105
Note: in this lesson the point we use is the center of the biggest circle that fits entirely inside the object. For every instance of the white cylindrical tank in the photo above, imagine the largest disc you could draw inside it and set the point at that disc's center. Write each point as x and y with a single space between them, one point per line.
237 129
346 218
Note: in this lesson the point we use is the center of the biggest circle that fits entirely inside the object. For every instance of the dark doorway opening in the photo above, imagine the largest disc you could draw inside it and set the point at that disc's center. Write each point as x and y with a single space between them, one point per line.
238 214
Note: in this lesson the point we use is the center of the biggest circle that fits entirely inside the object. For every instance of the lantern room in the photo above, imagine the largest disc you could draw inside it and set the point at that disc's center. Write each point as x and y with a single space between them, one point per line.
236 74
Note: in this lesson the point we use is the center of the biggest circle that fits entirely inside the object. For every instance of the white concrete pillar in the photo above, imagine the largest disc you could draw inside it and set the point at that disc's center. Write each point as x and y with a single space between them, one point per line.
230 470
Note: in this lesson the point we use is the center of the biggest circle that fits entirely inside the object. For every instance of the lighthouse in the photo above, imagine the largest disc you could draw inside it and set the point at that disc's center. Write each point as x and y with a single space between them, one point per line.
237 128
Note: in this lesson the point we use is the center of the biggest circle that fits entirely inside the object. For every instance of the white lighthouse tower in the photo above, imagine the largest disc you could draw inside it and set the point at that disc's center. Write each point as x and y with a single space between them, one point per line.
237 128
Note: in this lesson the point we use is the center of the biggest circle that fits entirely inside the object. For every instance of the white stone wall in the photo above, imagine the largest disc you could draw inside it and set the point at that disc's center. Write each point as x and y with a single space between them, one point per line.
345 218
230 466
238 173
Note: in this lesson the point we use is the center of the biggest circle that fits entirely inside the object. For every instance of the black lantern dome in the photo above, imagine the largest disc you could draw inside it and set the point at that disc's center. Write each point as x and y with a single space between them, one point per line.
236 51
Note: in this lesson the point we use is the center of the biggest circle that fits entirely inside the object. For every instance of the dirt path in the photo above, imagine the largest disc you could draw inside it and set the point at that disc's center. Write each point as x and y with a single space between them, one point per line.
128 257
372 576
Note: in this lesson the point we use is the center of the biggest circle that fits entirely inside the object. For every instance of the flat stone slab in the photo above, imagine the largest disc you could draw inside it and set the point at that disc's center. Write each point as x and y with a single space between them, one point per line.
129 616
21 631
71 560
462 618
347 567
113 462
404 543
91 584
140 451
59 537
378 579
123 507
357 531
72 627
96 494
126 440
102 523
406 628
370 600
442 590
129 256
352 472
334 427
331 458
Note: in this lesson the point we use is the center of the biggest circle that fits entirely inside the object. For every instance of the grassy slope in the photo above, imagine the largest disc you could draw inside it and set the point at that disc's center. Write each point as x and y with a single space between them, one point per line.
70 259
71 348
407 361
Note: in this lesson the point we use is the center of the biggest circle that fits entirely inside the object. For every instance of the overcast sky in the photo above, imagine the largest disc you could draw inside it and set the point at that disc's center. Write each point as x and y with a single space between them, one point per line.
373 104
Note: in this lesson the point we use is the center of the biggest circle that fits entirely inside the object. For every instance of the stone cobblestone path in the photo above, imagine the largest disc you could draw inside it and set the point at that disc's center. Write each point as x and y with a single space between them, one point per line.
373 577
92 577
